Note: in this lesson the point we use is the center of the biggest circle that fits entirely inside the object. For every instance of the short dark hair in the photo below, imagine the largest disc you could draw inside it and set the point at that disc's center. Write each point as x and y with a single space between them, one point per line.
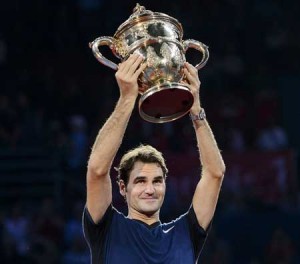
143 153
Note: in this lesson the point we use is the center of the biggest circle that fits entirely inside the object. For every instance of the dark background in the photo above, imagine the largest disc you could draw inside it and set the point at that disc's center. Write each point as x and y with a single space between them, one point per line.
54 96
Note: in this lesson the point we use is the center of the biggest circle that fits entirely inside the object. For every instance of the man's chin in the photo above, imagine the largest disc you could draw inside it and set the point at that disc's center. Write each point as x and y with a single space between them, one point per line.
149 211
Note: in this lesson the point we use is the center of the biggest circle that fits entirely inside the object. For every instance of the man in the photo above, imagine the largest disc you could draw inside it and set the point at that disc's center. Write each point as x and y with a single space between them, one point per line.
140 237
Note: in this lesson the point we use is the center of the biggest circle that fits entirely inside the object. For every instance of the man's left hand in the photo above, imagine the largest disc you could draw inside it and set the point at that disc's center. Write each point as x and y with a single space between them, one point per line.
193 82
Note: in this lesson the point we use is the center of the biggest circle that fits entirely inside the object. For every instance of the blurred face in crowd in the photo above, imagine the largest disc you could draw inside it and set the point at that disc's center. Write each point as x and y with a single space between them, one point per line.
145 190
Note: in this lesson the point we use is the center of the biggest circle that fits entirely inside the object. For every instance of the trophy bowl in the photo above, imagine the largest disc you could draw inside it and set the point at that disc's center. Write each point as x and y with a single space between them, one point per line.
158 38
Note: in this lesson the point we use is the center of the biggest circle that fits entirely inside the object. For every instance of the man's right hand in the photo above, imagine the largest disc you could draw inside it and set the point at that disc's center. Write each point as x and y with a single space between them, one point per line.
128 74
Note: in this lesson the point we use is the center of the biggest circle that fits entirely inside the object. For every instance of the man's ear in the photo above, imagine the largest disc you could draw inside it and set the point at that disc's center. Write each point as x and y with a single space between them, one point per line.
122 188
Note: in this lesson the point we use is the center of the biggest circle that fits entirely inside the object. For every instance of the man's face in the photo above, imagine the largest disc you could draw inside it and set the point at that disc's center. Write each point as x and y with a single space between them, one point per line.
146 188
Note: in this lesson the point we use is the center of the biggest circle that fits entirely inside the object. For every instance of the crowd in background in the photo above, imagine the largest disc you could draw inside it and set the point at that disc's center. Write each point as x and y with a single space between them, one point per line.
55 96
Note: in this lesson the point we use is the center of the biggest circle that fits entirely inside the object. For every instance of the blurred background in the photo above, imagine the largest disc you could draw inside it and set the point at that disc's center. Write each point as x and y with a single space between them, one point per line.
54 97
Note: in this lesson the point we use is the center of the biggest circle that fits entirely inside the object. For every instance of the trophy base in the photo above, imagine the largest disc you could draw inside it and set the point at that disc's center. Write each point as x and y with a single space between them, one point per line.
165 102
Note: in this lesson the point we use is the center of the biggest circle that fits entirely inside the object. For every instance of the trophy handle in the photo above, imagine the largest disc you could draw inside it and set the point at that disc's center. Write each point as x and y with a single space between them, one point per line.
191 43
103 41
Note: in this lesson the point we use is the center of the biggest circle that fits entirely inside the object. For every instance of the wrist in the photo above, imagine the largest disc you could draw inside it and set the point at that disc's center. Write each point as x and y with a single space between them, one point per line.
198 115
127 101
128 97
196 108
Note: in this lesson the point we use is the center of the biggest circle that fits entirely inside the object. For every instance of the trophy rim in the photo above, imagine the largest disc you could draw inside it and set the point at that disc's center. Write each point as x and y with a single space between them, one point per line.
158 88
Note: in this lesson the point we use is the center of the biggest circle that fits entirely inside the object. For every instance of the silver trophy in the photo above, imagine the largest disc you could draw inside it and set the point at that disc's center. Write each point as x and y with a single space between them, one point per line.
158 38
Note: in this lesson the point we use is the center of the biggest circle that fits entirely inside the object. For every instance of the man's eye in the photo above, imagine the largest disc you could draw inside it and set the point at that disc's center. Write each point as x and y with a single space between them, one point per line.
140 181
158 181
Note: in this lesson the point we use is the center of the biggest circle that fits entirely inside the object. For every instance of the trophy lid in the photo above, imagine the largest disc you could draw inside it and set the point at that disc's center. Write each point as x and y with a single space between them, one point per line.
141 14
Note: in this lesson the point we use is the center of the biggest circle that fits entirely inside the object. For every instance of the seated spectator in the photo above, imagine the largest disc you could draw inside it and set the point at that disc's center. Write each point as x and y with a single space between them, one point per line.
73 227
78 253
16 229
271 138
48 223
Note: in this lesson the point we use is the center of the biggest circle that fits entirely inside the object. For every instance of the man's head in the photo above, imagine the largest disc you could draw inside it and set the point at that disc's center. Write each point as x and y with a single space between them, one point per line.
143 153
141 176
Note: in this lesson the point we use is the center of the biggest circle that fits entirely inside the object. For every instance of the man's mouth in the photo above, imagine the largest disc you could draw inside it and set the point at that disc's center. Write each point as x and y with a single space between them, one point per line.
149 199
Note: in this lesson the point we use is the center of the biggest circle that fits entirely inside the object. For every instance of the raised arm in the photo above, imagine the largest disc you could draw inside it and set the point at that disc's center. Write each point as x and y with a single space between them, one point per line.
109 139
213 168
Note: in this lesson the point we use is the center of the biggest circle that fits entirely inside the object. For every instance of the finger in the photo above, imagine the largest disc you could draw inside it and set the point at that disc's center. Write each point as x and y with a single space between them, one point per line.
191 77
129 62
192 69
188 75
122 65
140 69
135 65
184 80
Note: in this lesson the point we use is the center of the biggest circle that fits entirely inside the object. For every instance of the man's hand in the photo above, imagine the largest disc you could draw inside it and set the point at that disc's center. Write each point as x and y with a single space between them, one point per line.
193 83
128 74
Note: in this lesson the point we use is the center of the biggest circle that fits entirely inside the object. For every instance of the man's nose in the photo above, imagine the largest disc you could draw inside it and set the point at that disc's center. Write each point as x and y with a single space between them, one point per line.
149 189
